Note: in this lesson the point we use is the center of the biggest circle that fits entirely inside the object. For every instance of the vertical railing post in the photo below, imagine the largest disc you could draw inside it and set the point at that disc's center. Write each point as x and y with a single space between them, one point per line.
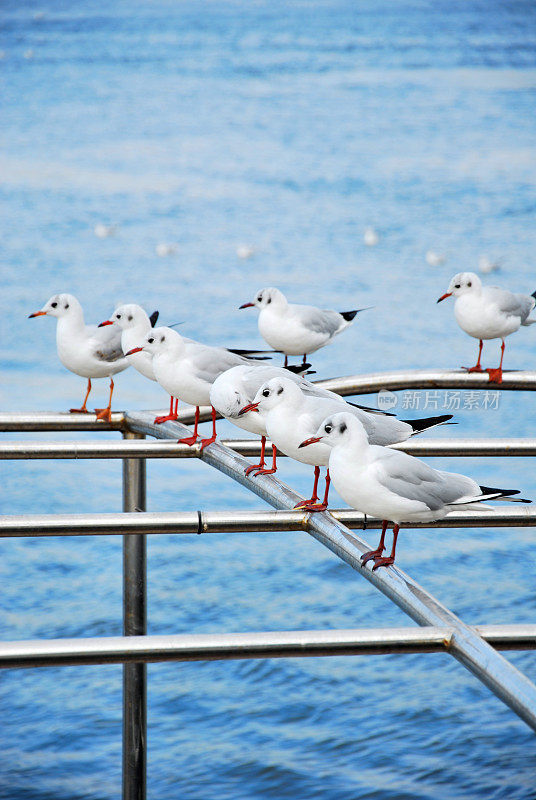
134 624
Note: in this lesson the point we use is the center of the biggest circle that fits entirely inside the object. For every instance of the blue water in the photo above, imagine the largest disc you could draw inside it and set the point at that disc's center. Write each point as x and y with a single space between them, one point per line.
289 127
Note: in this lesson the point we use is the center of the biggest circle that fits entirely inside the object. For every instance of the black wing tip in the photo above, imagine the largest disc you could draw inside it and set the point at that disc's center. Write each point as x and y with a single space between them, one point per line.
504 493
348 315
299 369
533 295
427 422
153 318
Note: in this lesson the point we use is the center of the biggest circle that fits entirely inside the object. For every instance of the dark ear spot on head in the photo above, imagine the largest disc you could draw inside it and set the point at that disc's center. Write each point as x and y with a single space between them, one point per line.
163 339
343 427
469 284
66 305
130 318
280 390
269 300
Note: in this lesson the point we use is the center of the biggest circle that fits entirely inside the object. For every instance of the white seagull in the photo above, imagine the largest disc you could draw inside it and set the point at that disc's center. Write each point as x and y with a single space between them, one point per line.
135 323
86 350
187 369
391 485
234 389
292 414
488 312
296 329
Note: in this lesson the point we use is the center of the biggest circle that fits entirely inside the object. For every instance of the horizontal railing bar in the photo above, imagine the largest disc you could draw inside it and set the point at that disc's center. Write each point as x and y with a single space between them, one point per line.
272 644
132 448
507 682
27 421
184 522
346 385
429 379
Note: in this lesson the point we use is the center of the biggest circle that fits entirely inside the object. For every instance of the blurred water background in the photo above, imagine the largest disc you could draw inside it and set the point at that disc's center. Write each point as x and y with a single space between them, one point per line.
280 131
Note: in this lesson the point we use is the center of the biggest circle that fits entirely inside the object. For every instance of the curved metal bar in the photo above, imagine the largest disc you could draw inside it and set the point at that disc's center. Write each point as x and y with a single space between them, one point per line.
467 646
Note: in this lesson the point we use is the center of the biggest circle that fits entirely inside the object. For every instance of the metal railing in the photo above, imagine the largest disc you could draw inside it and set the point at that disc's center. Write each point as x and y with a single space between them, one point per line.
475 647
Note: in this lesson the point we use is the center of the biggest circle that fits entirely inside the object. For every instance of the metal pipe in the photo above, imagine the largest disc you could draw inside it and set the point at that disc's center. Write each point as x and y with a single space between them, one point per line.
252 448
134 624
272 644
184 522
61 421
510 685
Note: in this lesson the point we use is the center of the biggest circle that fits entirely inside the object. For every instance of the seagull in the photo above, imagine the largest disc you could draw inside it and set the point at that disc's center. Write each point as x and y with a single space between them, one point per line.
236 388
292 414
488 312
187 369
135 323
296 329
86 350
391 485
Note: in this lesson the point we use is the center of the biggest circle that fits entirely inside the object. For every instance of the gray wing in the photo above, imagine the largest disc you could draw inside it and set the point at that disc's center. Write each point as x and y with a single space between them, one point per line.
318 320
380 429
105 343
413 479
517 305
212 361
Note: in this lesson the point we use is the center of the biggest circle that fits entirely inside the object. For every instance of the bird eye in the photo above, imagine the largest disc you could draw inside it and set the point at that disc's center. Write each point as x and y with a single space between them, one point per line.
130 318
151 340
457 286
66 305
342 427
328 428
259 298
53 305
469 284
118 316
266 393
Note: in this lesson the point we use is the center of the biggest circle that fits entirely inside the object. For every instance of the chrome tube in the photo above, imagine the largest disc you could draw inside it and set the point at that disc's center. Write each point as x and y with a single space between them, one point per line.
272 644
251 447
510 685
61 421
134 624
183 522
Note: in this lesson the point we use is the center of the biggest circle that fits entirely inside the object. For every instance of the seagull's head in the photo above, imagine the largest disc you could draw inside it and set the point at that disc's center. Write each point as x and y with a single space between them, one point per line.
59 305
126 316
462 283
338 429
267 298
159 341
278 391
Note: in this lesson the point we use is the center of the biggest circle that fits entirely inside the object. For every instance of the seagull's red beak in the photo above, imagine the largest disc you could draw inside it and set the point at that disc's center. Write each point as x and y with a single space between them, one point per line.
312 440
134 350
251 407
444 296
106 322
37 314
247 305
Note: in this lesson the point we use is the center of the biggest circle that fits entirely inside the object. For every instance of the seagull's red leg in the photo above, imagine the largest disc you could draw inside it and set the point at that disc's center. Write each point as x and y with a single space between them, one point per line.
324 504
273 468
83 410
262 462
381 547
171 416
205 442
388 560
478 366
106 413
191 440
495 375
314 496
